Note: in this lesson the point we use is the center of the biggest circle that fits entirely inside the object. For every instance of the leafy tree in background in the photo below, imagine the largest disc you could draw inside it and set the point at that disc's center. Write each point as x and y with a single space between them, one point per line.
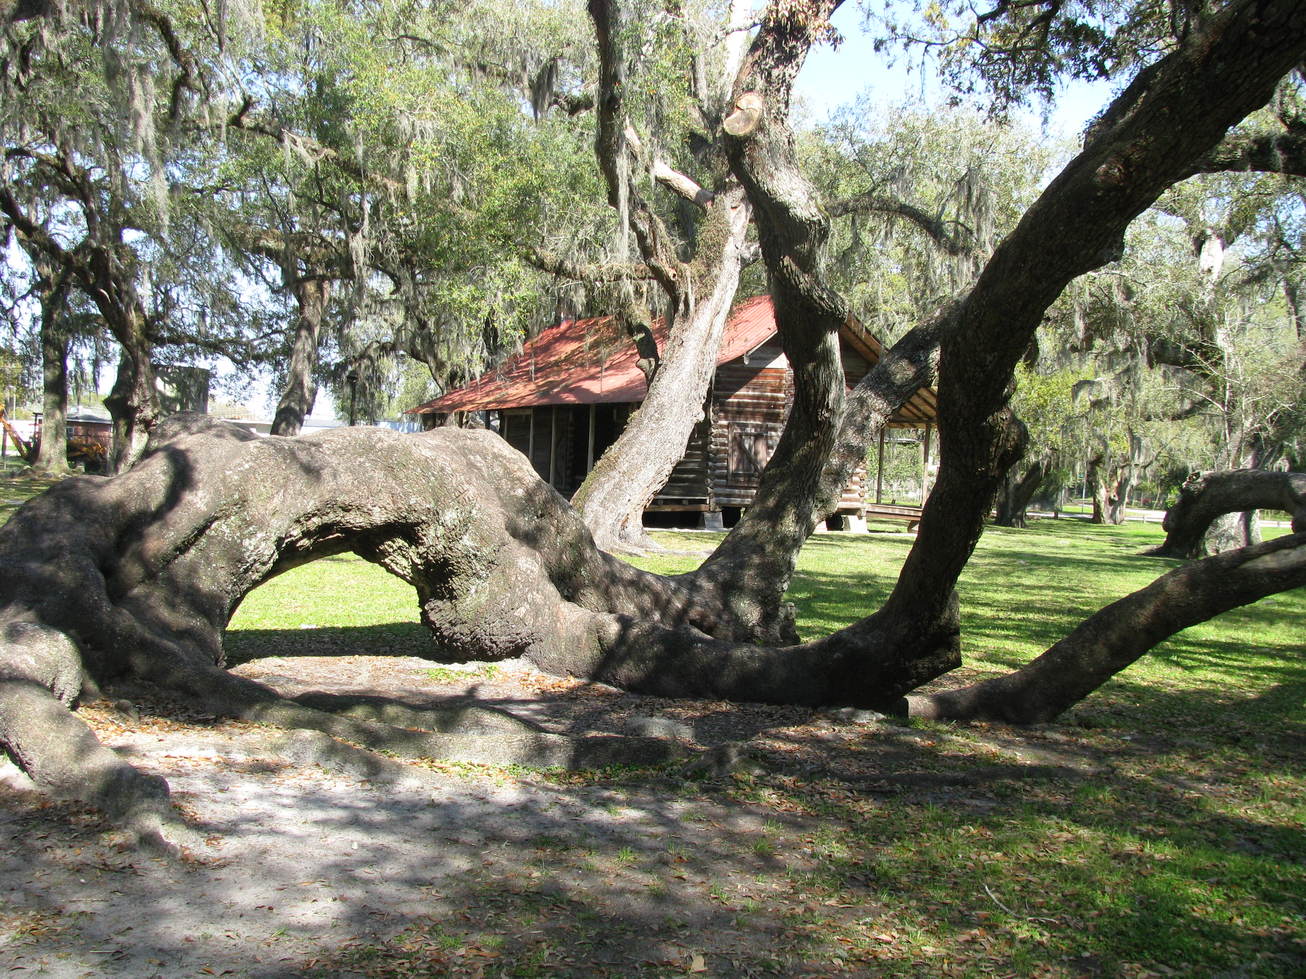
96 155
389 186
1186 350
919 199
1044 402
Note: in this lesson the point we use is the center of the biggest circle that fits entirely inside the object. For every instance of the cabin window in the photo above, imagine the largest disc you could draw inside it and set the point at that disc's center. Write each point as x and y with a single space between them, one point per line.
749 450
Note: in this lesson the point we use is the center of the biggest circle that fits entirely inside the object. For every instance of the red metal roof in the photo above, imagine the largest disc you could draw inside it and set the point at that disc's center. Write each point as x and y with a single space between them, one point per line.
590 361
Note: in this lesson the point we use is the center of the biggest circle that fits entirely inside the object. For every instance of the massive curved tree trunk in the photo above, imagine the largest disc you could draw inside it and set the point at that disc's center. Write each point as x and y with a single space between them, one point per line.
1205 497
756 559
133 579
1172 113
144 570
828 431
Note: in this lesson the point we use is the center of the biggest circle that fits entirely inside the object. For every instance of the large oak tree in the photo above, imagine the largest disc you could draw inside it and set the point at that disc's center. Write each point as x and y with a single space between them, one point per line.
134 578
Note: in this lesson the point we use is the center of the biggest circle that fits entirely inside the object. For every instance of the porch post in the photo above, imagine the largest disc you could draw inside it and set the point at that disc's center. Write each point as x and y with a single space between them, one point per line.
879 468
553 444
925 468
589 453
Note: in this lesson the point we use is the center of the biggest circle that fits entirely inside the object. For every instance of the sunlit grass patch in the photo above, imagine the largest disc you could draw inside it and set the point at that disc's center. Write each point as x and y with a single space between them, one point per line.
16 488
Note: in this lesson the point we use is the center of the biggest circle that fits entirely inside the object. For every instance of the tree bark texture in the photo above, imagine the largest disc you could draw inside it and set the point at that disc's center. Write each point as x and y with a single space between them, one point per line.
133 401
52 456
699 296
636 466
1205 497
1111 480
311 295
752 567
1101 488
1171 114
1229 532
133 579
143 571
103 268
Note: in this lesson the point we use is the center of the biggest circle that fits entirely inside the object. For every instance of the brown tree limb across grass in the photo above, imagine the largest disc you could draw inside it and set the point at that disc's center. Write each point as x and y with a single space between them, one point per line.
1116 636
1208 496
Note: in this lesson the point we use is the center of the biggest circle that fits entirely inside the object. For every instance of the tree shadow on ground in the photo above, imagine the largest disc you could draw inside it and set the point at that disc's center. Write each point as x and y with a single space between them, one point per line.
392 639
1103 845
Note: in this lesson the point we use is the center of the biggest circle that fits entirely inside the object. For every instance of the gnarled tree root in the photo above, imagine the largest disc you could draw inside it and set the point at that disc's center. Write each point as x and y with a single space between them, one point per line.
64 758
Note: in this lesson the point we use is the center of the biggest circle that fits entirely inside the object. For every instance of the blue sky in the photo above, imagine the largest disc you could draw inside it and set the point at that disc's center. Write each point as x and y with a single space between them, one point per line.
832 78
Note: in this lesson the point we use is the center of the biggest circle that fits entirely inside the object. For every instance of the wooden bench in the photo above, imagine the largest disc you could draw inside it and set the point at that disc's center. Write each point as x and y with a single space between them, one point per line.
893 511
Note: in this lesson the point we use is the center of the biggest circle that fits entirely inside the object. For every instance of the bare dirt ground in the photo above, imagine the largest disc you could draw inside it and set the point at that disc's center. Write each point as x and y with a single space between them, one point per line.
298 871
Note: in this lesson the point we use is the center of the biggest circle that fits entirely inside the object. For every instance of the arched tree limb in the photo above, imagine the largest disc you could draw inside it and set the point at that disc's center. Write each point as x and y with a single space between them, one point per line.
1113 638
1207 496
945 234
134 579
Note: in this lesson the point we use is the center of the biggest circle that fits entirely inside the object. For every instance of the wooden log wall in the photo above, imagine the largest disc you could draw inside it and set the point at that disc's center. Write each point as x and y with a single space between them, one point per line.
750 402
727 450
687 487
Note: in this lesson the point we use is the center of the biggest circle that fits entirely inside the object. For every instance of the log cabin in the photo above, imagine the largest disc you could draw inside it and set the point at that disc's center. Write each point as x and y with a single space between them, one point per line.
565 397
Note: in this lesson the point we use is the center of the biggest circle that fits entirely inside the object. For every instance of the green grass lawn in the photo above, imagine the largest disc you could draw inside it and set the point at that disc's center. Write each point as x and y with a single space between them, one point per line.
1188 852
16 488
1181 849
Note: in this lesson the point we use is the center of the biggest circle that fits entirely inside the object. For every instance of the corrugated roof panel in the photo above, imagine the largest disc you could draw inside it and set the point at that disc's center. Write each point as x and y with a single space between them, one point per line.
589 361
